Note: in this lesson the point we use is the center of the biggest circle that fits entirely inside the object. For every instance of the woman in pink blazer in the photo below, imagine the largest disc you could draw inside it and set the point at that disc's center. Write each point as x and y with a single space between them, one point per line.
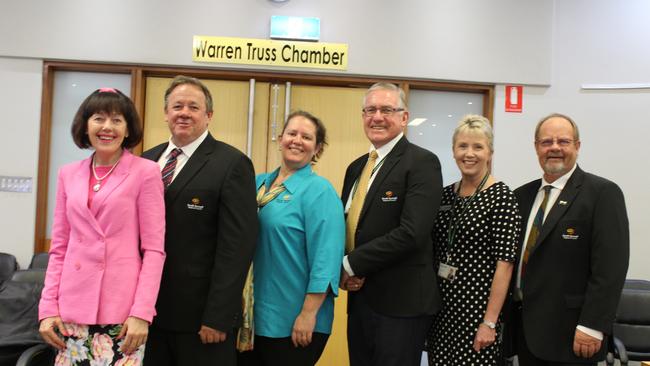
107 249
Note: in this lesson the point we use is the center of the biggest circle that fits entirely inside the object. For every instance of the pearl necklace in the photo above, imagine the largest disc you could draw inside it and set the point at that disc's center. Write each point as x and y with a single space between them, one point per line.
98 185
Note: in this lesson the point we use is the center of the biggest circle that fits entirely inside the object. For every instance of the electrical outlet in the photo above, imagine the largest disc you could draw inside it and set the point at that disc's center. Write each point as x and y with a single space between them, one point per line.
16 184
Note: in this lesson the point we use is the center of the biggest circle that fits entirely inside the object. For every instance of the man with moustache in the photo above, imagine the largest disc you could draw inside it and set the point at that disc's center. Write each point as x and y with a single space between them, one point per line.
391 196
211 231
573 259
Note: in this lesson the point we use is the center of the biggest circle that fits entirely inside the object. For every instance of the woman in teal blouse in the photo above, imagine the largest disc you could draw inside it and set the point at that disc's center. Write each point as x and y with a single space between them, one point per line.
299 251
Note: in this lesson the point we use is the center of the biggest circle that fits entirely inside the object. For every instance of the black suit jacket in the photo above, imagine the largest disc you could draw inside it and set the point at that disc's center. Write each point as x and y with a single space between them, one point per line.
576 271
394 248
210 237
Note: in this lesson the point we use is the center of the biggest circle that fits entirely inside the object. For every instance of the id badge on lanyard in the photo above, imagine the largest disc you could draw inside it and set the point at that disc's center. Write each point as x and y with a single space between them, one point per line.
445 270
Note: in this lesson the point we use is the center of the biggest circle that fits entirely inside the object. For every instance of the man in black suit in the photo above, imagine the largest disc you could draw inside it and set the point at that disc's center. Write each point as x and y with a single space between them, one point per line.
210 235
391 205
573 259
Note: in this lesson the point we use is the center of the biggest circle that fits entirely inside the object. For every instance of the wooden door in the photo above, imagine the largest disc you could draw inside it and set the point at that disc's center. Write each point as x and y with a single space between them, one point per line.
340 110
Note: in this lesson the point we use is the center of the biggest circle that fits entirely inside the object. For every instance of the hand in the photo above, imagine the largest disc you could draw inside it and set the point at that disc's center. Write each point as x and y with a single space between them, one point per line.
211 335
344 279
484 337
303 328
585 345
48 329
354 283
134 331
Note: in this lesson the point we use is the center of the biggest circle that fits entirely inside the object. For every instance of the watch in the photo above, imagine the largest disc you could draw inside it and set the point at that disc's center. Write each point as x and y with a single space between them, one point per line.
489 324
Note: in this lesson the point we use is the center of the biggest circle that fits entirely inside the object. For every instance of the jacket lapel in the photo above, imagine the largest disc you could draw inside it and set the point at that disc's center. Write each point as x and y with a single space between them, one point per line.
80 183
526 200
355 173
155 153
561 205
392 158
191 168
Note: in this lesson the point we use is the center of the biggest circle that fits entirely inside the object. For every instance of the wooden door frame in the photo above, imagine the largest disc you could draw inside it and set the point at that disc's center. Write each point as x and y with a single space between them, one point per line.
139 73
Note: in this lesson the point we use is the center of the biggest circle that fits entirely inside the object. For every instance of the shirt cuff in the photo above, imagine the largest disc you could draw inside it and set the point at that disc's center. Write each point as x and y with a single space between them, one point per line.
346 266
318 286
592 332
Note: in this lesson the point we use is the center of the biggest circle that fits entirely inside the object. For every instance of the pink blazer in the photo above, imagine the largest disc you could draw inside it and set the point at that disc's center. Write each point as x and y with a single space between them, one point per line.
106 261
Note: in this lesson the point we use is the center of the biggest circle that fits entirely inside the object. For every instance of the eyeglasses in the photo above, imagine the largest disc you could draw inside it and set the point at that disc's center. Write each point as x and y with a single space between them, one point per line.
385 111
548 142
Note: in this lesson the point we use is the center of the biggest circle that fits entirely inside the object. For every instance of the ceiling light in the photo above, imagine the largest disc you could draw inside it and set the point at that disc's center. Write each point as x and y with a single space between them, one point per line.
417 121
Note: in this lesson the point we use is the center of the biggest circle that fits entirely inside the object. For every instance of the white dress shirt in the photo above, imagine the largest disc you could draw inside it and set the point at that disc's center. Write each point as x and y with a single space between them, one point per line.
182 158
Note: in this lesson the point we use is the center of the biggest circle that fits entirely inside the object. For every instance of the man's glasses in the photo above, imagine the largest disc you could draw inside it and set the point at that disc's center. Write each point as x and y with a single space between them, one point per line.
548 142
385 111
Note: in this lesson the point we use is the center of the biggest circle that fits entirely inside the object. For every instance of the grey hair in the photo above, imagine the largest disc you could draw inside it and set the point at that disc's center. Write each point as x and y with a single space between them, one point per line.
390 87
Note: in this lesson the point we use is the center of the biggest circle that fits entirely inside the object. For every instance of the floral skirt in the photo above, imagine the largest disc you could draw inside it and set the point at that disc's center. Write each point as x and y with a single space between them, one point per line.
96 345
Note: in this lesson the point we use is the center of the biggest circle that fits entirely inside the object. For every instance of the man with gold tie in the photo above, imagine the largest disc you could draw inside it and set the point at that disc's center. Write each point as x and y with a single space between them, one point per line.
391 197
573 258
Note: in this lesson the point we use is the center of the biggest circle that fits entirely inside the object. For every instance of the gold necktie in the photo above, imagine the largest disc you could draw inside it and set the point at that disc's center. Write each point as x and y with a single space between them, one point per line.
359 195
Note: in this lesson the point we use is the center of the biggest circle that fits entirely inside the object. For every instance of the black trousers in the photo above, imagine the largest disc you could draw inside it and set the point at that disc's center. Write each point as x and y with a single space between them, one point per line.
169 348
525 356
10 354
281 351
379 340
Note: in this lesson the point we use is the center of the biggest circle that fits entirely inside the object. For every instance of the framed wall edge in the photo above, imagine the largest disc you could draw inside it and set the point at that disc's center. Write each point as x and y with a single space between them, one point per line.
43 161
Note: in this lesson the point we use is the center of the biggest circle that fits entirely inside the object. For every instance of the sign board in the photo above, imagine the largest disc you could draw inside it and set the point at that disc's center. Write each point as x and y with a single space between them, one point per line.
247 51
514 98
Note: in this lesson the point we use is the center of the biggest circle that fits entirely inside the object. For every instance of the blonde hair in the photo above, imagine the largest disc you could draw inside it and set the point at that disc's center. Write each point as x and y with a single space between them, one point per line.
473 123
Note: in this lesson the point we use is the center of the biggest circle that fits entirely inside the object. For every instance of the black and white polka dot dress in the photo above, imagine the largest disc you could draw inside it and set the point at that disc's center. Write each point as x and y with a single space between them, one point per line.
487 232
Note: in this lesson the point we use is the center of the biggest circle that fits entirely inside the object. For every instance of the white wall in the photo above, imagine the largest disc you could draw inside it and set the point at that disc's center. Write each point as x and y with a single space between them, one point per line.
562 43
20 95
602 41
439 39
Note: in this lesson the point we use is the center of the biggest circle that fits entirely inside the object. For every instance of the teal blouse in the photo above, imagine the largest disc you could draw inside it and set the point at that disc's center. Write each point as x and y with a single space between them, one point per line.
299 251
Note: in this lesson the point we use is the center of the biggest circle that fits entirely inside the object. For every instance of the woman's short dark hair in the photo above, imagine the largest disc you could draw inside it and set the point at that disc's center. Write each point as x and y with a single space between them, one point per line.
321 131
107 100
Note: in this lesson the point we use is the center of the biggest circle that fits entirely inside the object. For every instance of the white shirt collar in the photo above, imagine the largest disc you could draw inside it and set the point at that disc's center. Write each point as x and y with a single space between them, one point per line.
387 148
561 181
188 149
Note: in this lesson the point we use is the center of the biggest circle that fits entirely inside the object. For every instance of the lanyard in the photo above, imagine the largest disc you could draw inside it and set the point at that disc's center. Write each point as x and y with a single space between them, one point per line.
455 220
372 173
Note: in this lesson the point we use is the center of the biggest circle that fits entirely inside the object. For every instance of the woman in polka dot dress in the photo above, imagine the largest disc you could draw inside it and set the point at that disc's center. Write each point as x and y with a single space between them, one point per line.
475 236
